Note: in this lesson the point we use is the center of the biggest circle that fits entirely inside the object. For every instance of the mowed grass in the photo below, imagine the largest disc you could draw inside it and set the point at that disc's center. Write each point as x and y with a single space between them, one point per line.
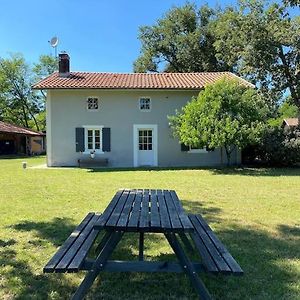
256 213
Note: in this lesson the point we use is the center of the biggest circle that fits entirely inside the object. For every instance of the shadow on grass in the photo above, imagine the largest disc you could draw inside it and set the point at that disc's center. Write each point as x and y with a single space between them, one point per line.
55 231
267 172
241 171
265 258
19 276
211 213
289 230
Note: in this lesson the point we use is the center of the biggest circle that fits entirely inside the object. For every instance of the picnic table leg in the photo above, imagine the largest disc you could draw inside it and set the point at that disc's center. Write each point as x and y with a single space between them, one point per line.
98 265
103 242
187 266
186 242
141 246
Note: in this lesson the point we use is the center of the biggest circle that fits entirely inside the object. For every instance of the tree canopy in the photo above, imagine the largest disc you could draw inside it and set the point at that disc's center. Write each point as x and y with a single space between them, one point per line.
19 104
262 43
254 39
225 114
181 41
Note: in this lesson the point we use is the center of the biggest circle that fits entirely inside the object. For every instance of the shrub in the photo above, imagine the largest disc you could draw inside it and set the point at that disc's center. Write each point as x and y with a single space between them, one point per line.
279 147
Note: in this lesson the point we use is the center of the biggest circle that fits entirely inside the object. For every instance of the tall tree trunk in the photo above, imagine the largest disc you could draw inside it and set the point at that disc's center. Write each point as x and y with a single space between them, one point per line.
289 77
25 116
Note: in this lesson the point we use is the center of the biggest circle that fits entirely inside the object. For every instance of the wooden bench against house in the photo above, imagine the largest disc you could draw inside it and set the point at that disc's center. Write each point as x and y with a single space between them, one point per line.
71 255
89 162
215 257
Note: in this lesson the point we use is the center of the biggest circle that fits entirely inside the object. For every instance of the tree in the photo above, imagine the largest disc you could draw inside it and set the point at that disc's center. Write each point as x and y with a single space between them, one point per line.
19 103
181 41
225 114
280 146
261 42
47 65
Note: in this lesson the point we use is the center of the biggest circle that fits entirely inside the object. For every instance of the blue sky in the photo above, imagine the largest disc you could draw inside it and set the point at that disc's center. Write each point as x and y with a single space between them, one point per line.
99 35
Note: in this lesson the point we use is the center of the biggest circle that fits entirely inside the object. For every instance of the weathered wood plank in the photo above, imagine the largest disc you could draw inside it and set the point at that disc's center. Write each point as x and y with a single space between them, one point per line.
185 221
144 216
122 223
50 266
135 212
174 218
218 259
154 213
67 258
207 260
108 211
116 213
83 251
142 266
163 211
235 267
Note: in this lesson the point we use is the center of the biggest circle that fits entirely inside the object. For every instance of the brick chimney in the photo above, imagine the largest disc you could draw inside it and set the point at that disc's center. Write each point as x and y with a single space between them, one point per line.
64 65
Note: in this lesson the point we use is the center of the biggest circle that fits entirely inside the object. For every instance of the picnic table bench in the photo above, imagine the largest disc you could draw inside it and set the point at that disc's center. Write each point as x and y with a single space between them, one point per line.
142 211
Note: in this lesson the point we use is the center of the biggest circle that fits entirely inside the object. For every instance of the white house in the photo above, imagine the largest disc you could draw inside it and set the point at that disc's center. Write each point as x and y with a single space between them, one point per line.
122 118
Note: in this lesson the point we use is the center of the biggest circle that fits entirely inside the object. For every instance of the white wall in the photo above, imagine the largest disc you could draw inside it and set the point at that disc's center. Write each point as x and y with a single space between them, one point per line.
119 110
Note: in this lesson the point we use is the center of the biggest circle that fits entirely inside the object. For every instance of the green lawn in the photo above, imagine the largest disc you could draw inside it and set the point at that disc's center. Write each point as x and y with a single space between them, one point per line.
256 213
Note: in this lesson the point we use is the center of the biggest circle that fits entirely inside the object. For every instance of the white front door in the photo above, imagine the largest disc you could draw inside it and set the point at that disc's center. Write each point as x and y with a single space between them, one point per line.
145 145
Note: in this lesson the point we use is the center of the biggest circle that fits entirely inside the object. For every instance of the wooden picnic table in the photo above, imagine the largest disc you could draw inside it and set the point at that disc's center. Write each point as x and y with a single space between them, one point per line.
143 211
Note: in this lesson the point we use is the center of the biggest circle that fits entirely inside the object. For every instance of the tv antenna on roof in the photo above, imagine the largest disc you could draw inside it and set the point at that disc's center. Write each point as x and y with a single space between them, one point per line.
54 42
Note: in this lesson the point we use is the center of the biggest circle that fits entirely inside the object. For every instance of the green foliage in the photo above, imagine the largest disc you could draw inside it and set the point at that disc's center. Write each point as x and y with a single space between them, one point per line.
255 39
181 41
225 114
286 110
41 121
19 104
47 65
280 146
261 43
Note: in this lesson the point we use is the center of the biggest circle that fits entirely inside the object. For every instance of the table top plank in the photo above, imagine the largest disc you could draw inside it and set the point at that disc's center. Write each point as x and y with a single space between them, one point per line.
145 210
154 214
123 221
109 209
185 221
114 217
163 211
144 216
173 214
135 212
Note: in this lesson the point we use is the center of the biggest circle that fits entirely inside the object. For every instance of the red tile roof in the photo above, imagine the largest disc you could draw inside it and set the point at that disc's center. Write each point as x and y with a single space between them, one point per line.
291 121
10 128
89 80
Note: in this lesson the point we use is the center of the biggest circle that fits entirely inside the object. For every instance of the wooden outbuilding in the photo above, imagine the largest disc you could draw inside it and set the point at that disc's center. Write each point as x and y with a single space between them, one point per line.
20 140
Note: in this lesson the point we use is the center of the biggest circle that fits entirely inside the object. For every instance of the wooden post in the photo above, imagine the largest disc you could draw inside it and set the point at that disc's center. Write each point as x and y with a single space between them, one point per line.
141 247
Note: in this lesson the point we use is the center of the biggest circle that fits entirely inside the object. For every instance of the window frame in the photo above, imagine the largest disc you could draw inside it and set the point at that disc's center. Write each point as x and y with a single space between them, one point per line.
197 150
92 109
150 104
93 127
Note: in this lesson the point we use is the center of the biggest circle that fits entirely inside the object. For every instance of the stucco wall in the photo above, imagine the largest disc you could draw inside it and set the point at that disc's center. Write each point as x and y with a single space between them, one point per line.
119 110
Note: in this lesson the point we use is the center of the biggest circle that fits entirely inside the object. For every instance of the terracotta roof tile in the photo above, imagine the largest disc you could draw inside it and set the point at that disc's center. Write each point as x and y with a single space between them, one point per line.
90 80
10 128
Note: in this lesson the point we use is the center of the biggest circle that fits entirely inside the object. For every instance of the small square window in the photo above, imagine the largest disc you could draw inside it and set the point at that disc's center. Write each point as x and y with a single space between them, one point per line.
92 103
145 104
